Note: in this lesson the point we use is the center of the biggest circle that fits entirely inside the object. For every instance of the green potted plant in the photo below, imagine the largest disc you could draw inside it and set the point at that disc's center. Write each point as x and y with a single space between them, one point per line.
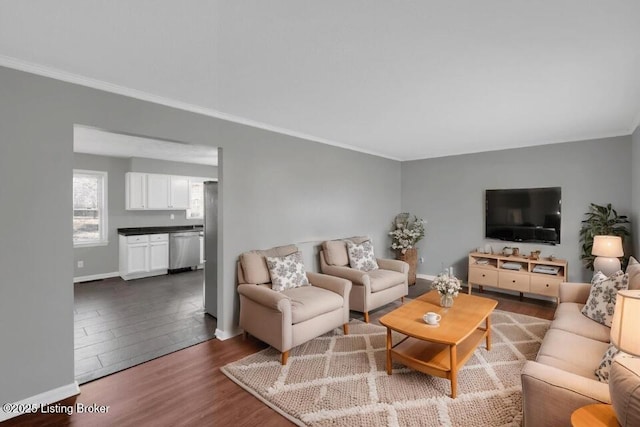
601 221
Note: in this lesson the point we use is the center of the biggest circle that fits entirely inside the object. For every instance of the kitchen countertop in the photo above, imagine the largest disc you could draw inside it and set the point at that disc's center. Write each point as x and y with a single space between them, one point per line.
136 231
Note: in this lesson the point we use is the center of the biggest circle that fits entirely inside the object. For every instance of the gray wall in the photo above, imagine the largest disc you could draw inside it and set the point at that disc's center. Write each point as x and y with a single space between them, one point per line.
635 188
449 193
274 189
104 259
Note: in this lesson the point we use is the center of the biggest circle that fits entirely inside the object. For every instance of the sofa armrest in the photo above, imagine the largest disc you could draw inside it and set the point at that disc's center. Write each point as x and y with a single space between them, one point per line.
393 265
338 285
265 297
356 276
550 395
574 292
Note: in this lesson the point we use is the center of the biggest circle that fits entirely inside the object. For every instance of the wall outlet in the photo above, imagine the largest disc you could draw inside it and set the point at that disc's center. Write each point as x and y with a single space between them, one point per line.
80 264
421 260
172 216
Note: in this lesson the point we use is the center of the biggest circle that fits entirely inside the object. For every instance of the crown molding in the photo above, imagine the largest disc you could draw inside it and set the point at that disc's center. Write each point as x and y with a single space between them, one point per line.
57 74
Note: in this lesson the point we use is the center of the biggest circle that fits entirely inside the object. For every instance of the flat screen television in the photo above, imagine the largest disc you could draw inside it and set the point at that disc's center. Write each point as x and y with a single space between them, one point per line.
523 215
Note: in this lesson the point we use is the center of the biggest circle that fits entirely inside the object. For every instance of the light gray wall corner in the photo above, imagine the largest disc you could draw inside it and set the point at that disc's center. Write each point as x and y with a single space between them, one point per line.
449 193
104 259
635 191
274 190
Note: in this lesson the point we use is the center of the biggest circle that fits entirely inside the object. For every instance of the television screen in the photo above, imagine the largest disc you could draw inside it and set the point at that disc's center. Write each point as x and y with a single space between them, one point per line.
523 215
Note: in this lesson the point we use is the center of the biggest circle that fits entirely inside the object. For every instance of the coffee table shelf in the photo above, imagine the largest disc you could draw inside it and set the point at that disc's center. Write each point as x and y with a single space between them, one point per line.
434 358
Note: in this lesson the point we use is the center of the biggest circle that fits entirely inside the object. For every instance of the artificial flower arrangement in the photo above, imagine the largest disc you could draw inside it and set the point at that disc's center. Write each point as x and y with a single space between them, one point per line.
407 232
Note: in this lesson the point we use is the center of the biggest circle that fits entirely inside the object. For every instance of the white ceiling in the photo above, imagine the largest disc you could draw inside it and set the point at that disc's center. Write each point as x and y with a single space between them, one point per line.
93 141
404 80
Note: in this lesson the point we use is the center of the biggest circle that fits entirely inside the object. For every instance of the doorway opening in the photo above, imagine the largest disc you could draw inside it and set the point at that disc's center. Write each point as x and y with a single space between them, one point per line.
145 249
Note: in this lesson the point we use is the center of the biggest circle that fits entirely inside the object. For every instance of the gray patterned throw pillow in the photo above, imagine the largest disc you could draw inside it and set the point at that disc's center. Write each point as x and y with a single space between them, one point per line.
361 256
602 298
287 272
603 370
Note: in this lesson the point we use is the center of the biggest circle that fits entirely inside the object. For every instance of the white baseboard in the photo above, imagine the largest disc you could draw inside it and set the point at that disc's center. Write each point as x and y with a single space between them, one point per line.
225 335
425 277
95 277
42 399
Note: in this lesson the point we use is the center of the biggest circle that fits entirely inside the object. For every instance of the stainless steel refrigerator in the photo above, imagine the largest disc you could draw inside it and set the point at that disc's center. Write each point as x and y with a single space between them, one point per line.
211 248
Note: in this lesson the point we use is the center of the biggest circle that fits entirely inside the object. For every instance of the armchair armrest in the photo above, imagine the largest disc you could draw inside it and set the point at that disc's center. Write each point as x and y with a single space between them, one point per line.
574 292
393 265
338 285
562 393
356 276
265 297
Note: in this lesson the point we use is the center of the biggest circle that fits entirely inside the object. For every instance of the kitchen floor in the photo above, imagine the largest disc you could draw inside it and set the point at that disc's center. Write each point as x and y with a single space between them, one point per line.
120 324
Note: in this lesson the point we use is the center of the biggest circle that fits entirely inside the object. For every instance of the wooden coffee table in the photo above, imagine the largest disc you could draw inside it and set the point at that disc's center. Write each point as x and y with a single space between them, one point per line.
439 350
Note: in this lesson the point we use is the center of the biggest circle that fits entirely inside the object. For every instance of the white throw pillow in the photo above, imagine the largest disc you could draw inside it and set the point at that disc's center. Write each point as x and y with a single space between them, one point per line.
287 272
361 256
602 297
603 370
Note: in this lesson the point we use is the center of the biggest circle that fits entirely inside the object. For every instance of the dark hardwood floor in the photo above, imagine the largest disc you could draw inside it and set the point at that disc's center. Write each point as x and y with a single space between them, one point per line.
187 387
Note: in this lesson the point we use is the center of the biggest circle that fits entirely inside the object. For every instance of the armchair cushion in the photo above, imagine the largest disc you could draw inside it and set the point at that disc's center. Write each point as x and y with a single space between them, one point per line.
287 272
384 279
569 318
335 251
361 256
308 302
254 265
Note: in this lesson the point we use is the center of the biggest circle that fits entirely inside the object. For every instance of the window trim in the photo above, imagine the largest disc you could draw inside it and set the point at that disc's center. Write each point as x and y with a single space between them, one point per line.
102 208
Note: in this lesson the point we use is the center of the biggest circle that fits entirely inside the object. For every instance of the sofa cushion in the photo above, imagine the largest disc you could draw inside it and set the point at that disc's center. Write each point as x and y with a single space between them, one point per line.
361 256
603 369
602 298
572 353
569 318
633 271
254 265
308 302
287 271
335 252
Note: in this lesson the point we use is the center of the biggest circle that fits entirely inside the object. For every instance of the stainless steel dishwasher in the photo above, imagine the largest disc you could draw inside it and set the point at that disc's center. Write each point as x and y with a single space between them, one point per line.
184 249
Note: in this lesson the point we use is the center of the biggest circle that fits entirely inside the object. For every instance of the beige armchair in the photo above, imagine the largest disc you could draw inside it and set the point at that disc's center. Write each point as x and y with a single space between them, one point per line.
291 317
370 289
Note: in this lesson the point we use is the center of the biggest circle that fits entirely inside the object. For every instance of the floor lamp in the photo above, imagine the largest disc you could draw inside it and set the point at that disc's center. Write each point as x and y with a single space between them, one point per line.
607 250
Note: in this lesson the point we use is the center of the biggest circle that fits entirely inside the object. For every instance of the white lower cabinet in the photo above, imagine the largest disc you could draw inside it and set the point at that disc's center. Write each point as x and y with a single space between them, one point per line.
143 255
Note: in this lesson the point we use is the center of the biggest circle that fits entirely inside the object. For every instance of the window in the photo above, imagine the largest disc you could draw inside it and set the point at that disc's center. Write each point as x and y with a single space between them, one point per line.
89 208
196 200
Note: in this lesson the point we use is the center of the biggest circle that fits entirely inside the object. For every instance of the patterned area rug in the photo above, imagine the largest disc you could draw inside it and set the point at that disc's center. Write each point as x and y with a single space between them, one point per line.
341 380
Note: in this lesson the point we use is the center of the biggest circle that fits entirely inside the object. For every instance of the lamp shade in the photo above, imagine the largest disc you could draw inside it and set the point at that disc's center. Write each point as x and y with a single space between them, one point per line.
626 321
607 246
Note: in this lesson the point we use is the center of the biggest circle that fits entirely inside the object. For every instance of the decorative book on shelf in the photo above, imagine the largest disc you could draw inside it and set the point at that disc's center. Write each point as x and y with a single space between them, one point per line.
517 273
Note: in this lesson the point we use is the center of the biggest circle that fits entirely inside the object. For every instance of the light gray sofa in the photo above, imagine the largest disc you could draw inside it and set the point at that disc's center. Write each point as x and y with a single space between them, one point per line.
370 289
289 318
562 379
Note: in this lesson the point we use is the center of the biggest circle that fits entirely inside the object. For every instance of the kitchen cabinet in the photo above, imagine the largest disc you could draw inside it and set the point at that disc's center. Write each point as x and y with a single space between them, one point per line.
143 255
135 190
152 191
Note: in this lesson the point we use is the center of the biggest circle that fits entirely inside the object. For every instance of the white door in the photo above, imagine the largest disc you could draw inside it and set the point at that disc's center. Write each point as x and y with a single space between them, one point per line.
137 258
157 191
179 192
136 187
159 255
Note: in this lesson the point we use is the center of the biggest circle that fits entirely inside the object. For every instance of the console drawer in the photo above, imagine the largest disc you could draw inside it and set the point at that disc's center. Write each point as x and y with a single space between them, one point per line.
513 281
483 276
546 285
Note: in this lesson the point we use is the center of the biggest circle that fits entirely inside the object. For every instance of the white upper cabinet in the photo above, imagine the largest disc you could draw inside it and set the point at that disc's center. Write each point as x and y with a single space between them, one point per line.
179 192
152 191
157 191
136 190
